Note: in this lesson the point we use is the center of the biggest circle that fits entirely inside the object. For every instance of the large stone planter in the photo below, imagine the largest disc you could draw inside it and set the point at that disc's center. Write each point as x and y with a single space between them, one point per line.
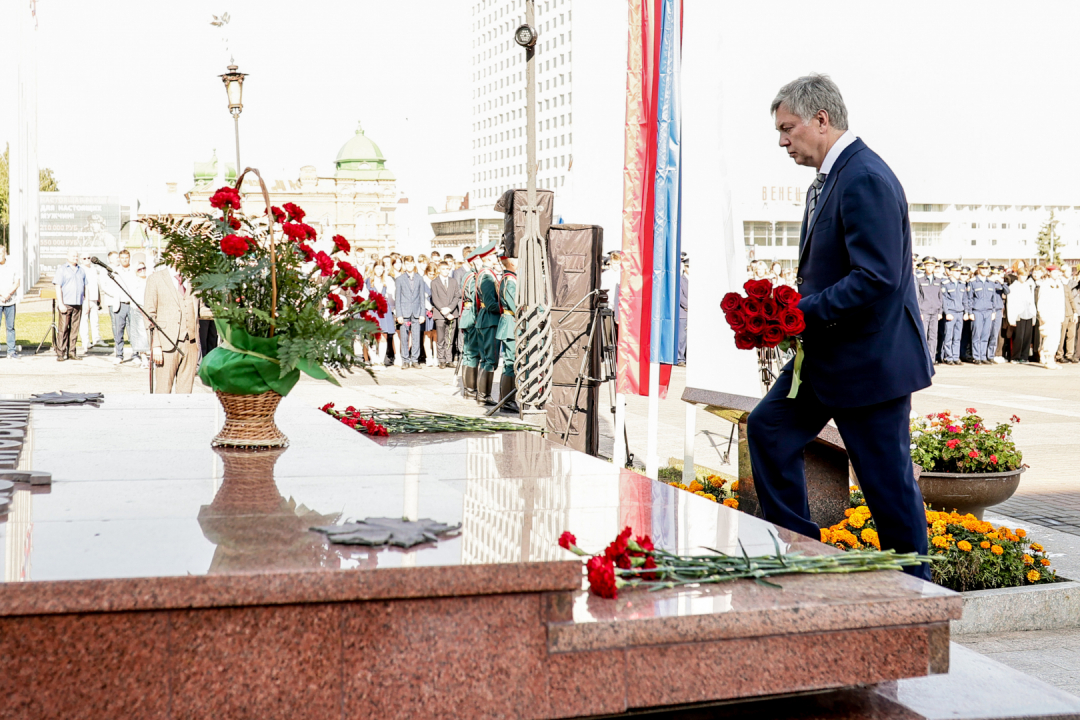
968 492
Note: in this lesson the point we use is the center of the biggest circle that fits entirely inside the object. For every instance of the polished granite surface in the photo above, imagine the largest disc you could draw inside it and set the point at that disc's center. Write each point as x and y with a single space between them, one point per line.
139 493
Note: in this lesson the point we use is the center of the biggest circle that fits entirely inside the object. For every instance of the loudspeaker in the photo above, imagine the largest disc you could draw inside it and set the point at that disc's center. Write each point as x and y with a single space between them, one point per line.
585 426
512 205
570 335
575 261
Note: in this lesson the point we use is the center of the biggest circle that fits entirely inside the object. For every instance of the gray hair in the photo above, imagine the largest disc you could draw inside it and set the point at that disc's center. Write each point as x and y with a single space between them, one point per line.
809 94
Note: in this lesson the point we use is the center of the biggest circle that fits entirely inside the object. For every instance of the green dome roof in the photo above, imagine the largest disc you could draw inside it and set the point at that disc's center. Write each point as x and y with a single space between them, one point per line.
361 159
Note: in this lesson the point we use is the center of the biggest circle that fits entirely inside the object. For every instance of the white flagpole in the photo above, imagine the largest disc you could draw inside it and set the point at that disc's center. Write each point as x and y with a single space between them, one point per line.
652 459
618 450
688 473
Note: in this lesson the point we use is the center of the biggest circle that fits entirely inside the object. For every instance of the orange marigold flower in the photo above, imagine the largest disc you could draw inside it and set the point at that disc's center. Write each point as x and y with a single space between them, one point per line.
964 545
940 542
1044 562
992 535
1036 547
1020 532
696 486
732 503
856 521
849 512
984 545
997 549
1028 560
1033 576
734 486
826 536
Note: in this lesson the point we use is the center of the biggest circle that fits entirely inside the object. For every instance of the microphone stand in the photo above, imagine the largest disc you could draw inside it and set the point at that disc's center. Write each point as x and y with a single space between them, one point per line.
153 323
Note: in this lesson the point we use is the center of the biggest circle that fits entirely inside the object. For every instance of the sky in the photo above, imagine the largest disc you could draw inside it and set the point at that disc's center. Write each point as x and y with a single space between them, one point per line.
968 101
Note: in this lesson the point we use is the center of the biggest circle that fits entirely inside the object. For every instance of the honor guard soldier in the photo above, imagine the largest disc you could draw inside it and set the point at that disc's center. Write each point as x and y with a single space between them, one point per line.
1000 291
470 357
955 300
928 286
506 331
983 294
966 335
487 323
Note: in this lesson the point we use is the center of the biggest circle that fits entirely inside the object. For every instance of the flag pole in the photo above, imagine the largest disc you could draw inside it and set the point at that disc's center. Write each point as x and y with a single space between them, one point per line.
652 458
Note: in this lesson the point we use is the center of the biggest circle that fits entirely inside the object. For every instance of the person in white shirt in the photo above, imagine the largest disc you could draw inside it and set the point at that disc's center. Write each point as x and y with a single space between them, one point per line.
1050 304
89 325
119 303
9 291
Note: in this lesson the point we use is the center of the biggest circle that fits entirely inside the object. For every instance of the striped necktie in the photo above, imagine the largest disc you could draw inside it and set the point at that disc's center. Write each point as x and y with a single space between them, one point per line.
812 197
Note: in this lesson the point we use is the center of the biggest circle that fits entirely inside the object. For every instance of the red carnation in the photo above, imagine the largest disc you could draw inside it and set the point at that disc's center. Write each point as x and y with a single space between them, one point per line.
380 303
602 577
225 197
786 296
751 306
732 301
328 407
645 543
325 263
234 245
736 320
649 565
295 213
294 231
340 243
234 223
745 341
351 272
279 214
566 540
309 254
339 304
759 289
756 324
773 335
791 320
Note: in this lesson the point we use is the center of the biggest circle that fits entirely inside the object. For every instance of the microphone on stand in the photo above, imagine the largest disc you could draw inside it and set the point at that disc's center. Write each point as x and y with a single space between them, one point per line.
96 261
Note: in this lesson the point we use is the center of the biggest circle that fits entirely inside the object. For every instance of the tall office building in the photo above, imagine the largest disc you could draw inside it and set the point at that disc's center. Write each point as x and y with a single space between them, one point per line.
580 93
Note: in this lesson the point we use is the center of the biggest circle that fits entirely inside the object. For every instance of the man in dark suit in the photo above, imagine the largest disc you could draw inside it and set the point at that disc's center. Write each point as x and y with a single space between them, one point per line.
865 348
445 296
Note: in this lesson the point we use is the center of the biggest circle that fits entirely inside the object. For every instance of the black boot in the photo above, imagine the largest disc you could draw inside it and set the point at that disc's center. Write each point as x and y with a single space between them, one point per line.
469 382
508 387
483 388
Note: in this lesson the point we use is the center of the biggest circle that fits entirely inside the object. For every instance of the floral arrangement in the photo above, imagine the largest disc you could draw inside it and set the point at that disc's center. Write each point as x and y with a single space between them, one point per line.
280 308
943 442
380 422
638 562
974 554
712 487
767 317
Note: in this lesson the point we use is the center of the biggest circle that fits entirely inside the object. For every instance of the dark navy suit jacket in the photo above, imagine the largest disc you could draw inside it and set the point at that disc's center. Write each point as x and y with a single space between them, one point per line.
864 339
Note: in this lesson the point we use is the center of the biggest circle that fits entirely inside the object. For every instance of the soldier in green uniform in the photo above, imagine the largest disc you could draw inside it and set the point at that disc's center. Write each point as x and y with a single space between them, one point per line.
506 333
487 322
470 358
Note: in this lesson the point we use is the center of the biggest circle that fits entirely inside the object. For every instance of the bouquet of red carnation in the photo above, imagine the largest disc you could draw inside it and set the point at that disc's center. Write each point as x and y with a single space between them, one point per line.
766 317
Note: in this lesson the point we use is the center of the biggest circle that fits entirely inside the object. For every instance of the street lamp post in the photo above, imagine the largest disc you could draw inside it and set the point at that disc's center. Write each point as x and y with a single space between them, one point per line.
234 87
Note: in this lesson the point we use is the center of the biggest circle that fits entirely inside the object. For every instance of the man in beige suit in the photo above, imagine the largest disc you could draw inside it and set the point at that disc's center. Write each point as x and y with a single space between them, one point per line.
172 305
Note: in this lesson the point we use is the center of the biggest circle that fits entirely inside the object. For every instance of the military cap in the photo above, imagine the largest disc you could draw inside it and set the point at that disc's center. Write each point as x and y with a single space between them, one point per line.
929 259
984 264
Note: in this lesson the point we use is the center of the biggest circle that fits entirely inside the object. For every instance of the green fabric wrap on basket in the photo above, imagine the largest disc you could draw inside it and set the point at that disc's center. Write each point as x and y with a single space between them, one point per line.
245 365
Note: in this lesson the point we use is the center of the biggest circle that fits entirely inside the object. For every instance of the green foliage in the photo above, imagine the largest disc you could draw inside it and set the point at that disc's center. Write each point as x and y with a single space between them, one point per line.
241 291
1048 242
943 442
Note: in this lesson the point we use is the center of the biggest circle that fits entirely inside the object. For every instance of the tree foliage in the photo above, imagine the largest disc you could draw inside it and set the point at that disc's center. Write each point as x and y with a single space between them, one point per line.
1048 242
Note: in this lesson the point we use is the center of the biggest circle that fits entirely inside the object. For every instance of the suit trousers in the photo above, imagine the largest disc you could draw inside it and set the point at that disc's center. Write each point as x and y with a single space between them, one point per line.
1021 347
993 349
930 322
954 328
443 340
1067 345
410 328
980 335
878 443
67 331
89 328
121 319
177 374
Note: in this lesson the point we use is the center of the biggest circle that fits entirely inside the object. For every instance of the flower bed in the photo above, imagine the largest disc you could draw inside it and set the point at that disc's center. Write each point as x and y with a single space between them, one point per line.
944 442
972 554
709 486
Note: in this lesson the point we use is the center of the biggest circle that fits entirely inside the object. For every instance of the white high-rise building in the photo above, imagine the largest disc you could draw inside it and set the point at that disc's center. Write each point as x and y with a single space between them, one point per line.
580 92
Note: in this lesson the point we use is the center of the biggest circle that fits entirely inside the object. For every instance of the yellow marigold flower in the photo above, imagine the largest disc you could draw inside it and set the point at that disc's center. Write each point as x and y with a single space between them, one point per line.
992 535
969 516
710 496
1044 562
695 486
1013 538
1036 547
997 549
734 486
856 521
863 510
732 503
1020 532
940 542
964 545
870 537
849 512
841 525
984 545
1033 576
1028 560
826 536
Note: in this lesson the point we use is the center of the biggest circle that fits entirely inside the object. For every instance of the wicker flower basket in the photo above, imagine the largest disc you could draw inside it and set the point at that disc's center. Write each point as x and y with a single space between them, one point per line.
249 421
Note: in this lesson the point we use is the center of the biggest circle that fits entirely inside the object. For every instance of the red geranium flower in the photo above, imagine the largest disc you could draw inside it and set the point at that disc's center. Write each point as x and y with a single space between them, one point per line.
339 304
279 214
756 324
340 243
732 301
295 213
758 289
225 197
601 573
234 245
325 263
773 335
973 454
566 540
309 254
953 443
971 411
745 341
993 458
791 320
786 296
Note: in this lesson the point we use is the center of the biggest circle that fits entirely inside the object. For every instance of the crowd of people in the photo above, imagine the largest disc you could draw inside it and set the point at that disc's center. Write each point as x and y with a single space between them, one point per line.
990 314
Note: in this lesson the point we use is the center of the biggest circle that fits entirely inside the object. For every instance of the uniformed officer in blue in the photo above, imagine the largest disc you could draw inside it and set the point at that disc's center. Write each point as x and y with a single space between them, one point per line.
983 294
865 349
1001 290
929 287
955 299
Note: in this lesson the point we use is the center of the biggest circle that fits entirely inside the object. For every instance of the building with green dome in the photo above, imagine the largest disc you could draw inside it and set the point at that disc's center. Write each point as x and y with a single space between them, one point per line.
359 201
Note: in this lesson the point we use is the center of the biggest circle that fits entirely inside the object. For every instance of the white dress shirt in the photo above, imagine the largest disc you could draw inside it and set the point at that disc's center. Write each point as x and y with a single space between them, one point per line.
834 152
